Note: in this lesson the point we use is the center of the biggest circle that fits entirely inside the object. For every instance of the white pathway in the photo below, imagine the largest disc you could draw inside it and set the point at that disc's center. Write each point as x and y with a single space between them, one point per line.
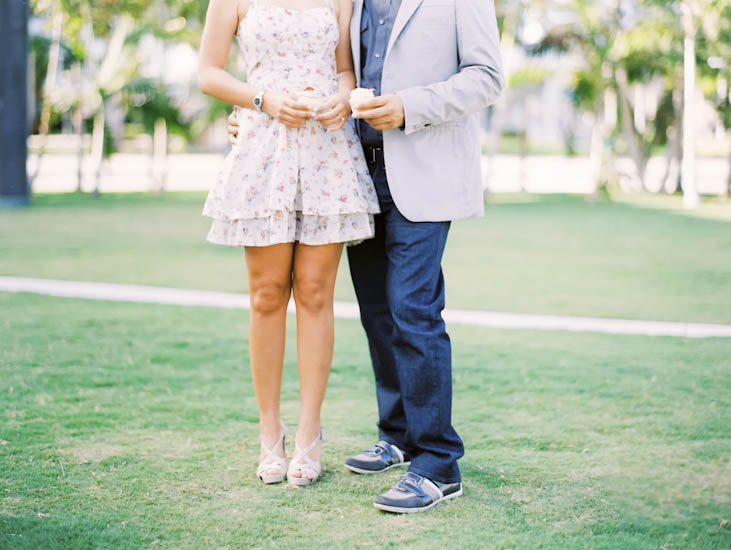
346 310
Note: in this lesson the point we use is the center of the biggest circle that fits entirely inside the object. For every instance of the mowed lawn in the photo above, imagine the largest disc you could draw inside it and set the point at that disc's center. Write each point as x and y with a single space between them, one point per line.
531 254
134 426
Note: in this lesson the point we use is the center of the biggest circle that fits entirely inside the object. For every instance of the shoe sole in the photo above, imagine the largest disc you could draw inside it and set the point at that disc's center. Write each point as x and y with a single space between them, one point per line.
362 471
269 480
399 510
300 481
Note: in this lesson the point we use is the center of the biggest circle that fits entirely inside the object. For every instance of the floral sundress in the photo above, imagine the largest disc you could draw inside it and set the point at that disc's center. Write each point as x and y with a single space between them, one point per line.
281 184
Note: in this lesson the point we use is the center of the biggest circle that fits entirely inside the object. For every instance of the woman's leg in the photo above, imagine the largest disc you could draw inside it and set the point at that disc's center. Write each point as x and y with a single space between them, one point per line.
315 268
270 286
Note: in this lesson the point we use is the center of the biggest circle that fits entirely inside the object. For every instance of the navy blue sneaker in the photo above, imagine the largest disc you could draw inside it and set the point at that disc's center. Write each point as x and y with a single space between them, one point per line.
415 493
379 458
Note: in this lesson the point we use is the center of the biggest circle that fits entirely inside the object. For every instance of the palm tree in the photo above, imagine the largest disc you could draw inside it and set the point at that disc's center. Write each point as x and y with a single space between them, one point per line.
714 65
585 34
103 37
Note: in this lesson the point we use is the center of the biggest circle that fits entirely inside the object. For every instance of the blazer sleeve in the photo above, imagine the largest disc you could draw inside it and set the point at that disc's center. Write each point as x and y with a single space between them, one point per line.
478 83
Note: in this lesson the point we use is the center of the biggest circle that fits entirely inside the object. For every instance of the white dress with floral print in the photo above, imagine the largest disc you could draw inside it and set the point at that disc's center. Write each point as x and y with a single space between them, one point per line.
281 184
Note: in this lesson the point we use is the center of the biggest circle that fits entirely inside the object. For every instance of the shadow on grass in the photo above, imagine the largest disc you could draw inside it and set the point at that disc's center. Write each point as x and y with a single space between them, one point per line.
33 533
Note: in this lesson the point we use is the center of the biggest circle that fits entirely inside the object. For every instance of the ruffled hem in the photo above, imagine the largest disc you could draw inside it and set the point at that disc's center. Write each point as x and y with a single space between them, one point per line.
288 227
219 212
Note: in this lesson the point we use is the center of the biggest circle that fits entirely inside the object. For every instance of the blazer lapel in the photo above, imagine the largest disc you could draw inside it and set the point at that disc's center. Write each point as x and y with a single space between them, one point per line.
355 37
407 9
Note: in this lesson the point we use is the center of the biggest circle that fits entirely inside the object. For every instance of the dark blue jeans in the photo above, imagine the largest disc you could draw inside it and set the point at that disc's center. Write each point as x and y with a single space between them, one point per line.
400 288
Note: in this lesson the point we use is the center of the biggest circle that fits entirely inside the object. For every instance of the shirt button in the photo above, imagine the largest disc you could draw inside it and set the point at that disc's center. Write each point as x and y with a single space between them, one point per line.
381 21
378 55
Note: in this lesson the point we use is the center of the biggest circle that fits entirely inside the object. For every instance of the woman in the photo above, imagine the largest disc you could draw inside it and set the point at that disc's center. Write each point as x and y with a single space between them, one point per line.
292 191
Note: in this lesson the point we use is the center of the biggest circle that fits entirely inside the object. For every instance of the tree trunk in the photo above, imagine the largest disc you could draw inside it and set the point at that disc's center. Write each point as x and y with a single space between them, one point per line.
79 127
499 109
629 131
14 189
97 147
596 150
159 155
669 181
691 198
54 54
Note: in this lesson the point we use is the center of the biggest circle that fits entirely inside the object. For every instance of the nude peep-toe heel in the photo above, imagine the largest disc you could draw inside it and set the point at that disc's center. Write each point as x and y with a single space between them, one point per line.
273 468
309 470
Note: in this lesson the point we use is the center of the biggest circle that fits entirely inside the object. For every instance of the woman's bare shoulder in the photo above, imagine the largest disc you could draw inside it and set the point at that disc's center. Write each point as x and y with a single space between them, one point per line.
229 7
242 6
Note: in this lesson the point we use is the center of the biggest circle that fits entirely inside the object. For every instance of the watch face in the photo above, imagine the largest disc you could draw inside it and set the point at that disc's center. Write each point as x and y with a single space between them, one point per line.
257 102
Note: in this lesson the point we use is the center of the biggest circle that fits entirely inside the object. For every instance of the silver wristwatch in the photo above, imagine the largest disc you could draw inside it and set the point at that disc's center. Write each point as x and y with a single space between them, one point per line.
259 100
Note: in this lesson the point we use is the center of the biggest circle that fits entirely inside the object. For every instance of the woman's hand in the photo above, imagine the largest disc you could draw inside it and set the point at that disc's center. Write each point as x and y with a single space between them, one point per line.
333 113
286 109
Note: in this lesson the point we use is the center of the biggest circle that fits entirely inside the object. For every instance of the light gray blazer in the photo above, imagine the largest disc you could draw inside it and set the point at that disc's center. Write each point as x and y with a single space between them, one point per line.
443 60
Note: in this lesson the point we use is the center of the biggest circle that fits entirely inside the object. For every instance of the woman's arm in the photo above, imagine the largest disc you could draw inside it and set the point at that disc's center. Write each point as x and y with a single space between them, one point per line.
222 21
335 111
343 53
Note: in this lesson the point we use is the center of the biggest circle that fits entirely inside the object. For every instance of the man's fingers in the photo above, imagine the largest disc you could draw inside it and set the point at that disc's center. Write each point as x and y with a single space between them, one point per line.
233 130
378 101
382 123
233 118
380 120
369 114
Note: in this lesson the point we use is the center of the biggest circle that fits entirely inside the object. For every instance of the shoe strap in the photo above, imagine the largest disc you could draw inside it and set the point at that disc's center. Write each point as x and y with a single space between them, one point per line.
431 488
388 448
398 452
419 485
299 454
272 456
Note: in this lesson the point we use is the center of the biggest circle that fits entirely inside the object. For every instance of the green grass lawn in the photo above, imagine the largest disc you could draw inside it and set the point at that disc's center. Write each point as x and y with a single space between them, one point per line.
135 426
547 254
130 426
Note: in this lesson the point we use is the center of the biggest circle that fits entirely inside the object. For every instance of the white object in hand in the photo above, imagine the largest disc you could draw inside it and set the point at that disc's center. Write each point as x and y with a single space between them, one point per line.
310 98
360 96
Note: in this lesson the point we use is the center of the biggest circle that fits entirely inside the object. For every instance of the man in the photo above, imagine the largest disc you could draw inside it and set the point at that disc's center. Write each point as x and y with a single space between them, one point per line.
433 65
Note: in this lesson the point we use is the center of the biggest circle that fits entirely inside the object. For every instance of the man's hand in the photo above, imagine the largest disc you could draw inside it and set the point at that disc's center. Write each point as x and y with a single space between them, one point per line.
384 112
233 126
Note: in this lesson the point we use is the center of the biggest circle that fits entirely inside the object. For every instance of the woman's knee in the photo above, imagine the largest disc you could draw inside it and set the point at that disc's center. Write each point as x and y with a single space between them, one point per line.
313 294
269 296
